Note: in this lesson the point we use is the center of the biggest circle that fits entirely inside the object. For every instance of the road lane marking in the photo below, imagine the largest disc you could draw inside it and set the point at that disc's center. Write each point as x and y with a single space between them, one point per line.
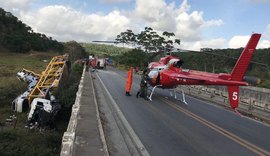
102 136
218 129
129 129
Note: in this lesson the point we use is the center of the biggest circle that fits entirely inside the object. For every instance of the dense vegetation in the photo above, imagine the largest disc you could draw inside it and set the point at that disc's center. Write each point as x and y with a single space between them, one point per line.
75 51
18 37
104 50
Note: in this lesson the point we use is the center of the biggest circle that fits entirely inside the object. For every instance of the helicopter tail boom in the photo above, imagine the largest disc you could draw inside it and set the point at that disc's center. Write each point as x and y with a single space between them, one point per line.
240 69
233 93
242 63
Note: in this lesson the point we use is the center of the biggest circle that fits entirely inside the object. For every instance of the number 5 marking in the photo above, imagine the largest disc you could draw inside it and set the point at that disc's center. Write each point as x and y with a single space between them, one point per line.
235 96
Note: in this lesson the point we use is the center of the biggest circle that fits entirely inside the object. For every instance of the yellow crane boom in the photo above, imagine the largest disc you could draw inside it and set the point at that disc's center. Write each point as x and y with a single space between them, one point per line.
49 78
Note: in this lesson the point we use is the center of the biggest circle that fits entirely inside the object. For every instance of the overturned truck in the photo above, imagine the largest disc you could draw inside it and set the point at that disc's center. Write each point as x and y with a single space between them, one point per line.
38 99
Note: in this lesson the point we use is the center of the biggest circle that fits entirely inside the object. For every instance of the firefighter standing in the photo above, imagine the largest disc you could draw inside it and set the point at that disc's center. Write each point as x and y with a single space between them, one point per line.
143 85
129 81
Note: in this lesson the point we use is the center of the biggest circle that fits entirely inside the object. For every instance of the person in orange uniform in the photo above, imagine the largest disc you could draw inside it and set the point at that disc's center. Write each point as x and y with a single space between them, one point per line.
129 81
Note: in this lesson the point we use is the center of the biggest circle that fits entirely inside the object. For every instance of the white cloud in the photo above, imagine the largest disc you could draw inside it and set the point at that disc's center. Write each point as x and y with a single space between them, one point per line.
267 31
162 16
241 41
114 1
238 41
150 10
217 43
65 23
264 44
191 45
168 17
16 6
213 23
184 7
265 40
188 26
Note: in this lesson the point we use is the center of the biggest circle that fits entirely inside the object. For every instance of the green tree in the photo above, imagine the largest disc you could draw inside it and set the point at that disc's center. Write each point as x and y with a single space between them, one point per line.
75 51
148 40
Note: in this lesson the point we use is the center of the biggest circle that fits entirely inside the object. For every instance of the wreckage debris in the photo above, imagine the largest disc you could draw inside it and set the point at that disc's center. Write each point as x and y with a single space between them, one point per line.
38 98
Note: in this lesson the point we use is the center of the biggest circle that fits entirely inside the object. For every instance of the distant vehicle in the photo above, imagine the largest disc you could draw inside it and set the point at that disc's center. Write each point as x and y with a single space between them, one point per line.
109 61
101 63
97 63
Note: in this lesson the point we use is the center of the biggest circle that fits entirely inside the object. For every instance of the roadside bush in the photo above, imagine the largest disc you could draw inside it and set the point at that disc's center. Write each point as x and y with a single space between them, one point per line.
6 136
66 96
265 84
10 88
22 142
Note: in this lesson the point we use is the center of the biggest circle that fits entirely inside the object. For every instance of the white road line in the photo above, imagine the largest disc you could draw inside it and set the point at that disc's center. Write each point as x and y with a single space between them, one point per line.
102 136
129 129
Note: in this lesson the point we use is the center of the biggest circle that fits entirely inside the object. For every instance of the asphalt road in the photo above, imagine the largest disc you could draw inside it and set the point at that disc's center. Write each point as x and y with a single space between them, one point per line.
166 126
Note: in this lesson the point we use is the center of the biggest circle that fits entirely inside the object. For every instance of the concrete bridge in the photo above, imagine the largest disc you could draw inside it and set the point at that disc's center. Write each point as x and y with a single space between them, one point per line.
105 122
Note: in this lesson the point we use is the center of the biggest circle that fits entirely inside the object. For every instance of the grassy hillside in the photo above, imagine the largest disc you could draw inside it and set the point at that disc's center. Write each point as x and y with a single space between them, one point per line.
11 63
104 50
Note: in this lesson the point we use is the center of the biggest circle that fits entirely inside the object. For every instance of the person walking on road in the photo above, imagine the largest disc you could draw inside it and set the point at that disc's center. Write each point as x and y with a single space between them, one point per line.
129 81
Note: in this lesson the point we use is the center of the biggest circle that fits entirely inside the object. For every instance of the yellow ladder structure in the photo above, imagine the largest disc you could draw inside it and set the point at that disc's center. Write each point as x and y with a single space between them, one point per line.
49 78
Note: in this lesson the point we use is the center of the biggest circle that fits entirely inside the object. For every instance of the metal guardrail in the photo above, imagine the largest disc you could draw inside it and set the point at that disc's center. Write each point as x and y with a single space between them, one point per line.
253 100
69 136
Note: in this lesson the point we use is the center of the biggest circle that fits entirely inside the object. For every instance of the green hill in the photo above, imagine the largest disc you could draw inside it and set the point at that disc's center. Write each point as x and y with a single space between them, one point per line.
18 37
104 50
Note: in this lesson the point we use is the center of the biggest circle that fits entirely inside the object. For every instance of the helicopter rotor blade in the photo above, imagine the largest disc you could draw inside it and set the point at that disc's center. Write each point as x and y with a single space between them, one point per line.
115 42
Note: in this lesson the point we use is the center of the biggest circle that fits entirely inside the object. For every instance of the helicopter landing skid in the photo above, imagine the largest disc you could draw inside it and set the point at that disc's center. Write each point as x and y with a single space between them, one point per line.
150 97
183 97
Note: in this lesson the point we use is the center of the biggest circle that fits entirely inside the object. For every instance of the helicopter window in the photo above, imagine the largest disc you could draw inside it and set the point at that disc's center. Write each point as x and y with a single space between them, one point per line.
178 64
185 70
153 73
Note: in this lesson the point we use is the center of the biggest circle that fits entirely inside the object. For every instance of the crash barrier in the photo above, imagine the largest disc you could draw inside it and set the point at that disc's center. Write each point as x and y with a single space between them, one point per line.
254 101
69 136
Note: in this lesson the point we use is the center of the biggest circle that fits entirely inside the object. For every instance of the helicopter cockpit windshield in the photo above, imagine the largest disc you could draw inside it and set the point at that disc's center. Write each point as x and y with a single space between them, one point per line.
178 64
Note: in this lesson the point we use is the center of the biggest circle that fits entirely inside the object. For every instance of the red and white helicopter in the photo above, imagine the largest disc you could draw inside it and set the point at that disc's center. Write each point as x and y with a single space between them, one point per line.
167 73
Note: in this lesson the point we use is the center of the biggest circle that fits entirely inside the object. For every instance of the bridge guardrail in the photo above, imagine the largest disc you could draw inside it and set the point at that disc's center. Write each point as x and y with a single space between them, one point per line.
253 100
69 136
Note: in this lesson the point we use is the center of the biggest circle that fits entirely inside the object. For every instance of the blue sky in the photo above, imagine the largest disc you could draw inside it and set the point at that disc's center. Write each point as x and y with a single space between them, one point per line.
198 23
239 16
